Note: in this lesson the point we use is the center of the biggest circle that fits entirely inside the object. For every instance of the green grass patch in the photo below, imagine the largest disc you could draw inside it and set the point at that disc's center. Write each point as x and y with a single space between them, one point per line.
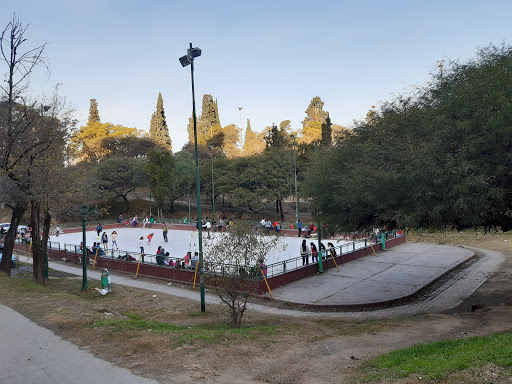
207 332
440 359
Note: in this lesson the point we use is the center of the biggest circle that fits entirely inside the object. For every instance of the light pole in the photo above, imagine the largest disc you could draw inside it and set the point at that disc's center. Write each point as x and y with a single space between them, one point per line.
213 186
241 125
295 171
188 59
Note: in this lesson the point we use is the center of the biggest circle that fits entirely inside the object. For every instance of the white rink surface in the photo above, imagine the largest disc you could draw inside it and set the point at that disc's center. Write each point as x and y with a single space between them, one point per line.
181 242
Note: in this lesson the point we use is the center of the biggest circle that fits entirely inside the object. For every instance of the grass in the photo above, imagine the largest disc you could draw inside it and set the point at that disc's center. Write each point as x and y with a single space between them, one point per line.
439 360
208 332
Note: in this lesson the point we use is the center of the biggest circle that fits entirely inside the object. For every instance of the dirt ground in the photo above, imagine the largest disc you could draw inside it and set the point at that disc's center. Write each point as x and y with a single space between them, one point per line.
275 349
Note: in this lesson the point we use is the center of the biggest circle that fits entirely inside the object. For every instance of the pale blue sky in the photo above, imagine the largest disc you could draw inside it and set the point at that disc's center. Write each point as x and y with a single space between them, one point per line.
269 57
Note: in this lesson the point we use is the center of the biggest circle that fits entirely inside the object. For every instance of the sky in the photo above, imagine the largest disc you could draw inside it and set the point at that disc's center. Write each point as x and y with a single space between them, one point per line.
269 57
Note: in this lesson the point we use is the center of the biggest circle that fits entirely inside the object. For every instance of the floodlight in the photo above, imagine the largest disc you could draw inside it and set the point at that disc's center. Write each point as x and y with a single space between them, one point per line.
194 52
184 60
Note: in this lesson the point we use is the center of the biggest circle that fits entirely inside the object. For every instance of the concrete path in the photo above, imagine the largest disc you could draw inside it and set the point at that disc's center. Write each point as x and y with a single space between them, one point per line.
33 354
395 274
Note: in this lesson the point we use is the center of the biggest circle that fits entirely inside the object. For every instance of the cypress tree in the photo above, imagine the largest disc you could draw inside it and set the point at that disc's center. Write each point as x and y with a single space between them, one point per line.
326 132
94 115
158 130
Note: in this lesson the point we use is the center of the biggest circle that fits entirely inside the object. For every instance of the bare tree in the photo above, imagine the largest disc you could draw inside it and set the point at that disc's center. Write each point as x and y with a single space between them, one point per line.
18 144
238 256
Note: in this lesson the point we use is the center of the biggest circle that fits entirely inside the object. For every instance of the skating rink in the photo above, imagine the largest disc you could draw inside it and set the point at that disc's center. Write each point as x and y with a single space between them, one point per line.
181 242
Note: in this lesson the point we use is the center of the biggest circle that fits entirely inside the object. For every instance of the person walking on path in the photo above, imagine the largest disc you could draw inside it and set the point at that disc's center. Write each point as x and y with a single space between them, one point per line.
299 225
104 240
99 228
304 252
113 236
314 253
165 229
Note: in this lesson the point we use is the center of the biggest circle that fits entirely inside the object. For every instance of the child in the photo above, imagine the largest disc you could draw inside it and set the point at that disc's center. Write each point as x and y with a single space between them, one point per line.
141 245
150 236
114 239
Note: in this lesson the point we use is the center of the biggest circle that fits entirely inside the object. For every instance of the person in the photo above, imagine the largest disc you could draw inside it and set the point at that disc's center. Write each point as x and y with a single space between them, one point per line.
304 252
141 246
134 221
151 221
99 228
311 229
168 260
262 267
322 251
221 224
299 225
150 236
120 218
195 260
314 253
165 229
113 236
144 222
263 222
230 224
96 250
278 227
186 260
160 253
332 250
57 231
104 240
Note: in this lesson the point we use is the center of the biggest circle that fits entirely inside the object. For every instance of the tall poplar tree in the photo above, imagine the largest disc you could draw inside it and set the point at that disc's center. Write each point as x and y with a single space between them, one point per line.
326 133
94 115
158 130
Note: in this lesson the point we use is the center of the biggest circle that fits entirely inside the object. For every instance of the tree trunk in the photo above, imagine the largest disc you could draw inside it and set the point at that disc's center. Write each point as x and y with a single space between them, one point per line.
46 231
38 266
281 209
277 206
10 237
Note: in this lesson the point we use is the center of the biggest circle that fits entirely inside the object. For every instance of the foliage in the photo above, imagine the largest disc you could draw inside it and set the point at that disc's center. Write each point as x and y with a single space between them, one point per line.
312 124
158 130
92 142
119 176
440 157
239 253
94 115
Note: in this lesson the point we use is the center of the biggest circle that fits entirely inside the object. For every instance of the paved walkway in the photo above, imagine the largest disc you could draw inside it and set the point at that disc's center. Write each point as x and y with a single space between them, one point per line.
394 274
31 354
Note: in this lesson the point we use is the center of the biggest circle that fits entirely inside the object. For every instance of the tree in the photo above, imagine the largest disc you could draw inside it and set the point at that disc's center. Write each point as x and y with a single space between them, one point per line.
158 130
326 133
231 137
254 142
21 141
438 158
94 115
238 256
312 124
116 177
92 141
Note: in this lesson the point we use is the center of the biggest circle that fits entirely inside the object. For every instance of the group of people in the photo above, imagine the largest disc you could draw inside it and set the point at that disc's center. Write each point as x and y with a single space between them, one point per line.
312 250
206 224
189 261
269 225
